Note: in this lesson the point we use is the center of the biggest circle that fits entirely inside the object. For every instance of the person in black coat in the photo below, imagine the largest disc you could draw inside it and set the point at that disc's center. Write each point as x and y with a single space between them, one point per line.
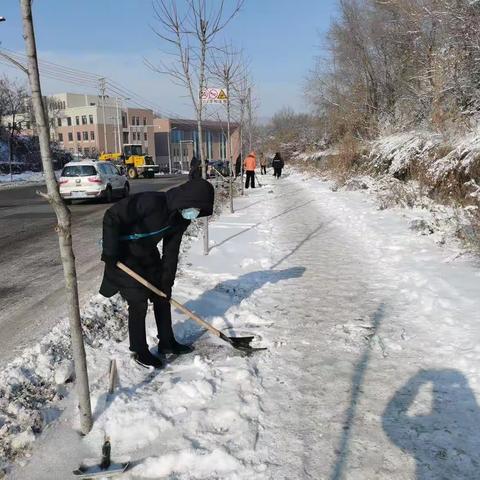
195 169
132 228
238 166
277 164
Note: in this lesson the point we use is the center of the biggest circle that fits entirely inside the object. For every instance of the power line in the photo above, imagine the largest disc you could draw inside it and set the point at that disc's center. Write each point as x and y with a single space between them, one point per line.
87 79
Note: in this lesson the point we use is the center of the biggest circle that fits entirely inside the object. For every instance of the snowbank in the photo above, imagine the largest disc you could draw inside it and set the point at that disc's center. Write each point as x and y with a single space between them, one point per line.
21 179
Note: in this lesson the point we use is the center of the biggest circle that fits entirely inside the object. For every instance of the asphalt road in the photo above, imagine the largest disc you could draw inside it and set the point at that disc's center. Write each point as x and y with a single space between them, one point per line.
31 275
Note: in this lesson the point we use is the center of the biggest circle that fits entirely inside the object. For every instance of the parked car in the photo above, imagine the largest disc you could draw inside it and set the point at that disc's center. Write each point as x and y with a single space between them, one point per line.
92 179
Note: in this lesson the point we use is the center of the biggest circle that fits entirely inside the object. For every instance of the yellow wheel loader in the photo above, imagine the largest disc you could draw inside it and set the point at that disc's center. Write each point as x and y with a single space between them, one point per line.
134 160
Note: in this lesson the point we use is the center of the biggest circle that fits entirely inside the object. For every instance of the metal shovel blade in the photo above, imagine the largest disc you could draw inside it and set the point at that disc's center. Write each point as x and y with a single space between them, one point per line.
241 343
96 471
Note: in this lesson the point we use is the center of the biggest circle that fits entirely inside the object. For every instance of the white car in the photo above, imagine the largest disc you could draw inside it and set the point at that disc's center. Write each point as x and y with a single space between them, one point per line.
92 179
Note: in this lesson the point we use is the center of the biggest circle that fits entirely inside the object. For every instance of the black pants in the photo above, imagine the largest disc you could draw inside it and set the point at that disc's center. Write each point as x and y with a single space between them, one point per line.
137 311
250 179
277 171
263 169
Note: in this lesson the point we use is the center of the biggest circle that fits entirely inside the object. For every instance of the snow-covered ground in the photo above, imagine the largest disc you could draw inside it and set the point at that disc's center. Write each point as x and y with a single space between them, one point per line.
20 179
372 365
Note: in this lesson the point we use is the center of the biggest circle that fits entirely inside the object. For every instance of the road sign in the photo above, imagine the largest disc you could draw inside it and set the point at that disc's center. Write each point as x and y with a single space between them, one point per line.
214 95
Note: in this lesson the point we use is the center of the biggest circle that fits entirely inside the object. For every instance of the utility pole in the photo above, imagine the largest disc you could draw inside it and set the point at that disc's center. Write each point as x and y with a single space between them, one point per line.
249 119
102 86
64 226
119 124
242 121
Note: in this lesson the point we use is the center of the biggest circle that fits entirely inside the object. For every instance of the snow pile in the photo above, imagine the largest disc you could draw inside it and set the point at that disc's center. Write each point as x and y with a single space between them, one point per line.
21 178
33 383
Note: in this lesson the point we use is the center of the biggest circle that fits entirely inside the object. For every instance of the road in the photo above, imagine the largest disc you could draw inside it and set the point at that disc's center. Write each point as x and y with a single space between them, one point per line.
31 275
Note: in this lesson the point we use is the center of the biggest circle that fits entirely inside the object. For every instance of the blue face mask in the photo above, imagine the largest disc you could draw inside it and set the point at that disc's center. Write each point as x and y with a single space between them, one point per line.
190 213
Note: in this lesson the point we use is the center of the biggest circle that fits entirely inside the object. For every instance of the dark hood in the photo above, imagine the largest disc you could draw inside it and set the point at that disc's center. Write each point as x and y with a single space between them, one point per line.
196 193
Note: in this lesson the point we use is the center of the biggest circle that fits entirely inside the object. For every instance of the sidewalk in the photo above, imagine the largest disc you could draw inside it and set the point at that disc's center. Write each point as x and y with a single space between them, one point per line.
372 363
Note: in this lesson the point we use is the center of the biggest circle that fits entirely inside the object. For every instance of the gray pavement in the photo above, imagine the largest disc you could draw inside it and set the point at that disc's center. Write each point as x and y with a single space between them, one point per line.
31 275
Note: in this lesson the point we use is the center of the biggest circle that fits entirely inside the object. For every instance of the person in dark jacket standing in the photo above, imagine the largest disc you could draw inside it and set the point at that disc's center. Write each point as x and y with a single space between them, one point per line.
195 169
238 166
277 164
132 228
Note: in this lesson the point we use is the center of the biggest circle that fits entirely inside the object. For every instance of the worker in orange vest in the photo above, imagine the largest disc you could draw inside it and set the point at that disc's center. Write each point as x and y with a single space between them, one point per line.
250 164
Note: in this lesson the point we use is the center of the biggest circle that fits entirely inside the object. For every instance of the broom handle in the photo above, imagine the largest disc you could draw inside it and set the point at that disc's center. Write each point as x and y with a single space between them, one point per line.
176 304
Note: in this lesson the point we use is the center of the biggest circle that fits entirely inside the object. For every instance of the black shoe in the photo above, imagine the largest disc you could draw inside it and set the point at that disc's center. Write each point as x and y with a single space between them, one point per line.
176 349
146 359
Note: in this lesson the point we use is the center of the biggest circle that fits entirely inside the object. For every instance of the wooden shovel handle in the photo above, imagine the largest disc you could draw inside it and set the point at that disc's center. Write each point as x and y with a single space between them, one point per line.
176 304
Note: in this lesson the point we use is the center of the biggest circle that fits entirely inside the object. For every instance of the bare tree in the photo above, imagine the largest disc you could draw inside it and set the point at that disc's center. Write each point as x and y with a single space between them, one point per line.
63 228
13 99
190 28
228 68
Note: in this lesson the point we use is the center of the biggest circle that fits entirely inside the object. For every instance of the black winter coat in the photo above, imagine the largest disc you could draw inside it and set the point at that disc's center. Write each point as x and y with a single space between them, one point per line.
149 212
278 163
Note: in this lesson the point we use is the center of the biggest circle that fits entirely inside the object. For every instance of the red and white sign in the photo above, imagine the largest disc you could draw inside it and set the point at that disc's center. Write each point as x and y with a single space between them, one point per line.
214 95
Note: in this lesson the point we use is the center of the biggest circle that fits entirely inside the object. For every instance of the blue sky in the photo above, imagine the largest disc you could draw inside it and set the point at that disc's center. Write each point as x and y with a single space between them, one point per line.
113 37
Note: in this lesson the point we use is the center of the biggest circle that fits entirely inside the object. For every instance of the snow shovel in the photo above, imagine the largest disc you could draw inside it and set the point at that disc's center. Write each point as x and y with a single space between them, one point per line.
105 468
240 343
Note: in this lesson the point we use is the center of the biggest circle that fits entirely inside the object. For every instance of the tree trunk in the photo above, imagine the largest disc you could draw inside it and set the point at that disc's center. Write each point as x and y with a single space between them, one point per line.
230 155
64 222
206 247
10 153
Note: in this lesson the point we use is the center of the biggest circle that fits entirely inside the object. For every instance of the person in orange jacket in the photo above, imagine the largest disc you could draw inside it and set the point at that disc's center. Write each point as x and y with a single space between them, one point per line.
250 164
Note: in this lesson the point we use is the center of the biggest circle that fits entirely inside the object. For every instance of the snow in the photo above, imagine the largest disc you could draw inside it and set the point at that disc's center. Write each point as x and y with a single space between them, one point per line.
21 179
372 364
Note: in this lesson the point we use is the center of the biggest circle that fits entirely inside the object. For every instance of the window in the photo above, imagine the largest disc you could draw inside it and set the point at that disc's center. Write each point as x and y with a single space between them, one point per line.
59 122
84 119
90 118
144 120
124 121
85 135
133 120
79 135
209 140
92 135
112 169
60 137
145 136
125 137
223 146
77 120
69 121
70 136
79 171
86 151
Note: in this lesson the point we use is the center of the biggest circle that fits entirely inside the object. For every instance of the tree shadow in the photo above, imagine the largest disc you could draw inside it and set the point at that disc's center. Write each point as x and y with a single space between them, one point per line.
445 440
295 207
357 384
268 199
218 300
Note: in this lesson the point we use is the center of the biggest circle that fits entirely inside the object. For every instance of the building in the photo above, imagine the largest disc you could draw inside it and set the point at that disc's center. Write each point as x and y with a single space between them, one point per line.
176 141
89 124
